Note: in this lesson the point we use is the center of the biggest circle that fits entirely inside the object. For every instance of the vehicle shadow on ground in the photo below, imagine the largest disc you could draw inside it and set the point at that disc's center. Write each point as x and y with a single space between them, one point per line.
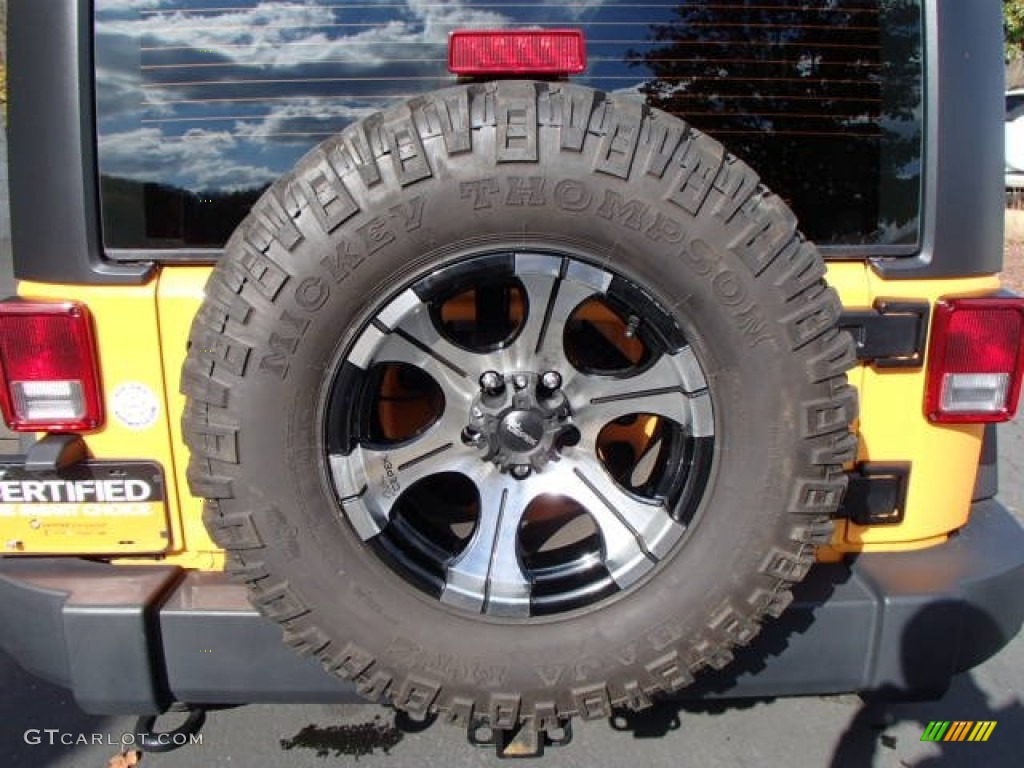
712 693
865 736
866 739
29 707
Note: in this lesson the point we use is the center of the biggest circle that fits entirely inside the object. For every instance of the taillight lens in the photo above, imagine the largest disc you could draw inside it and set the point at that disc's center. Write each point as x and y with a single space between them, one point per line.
517 52
49 376
976 360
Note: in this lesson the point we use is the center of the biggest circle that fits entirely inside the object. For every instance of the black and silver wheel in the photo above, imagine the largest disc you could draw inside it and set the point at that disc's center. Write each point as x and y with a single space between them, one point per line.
519 402
532 434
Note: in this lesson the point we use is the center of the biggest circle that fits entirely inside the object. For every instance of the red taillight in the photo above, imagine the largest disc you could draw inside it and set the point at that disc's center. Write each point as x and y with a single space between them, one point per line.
49 377
976 360
521 52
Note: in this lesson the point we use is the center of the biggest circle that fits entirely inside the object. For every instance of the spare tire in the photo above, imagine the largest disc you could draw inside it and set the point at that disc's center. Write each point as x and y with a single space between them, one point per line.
517 402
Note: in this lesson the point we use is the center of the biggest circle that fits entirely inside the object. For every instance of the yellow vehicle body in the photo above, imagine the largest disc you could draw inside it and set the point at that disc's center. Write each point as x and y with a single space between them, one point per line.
142 332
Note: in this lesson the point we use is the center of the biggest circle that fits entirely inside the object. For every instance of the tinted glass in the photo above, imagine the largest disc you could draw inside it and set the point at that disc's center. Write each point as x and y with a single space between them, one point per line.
202 103
1014 106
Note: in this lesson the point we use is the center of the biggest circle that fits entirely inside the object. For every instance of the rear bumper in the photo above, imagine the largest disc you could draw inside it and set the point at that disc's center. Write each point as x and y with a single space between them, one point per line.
134 639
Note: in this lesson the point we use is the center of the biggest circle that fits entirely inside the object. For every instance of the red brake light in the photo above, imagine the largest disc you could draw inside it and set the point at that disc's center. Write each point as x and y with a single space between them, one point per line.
521 52
976 360
49 377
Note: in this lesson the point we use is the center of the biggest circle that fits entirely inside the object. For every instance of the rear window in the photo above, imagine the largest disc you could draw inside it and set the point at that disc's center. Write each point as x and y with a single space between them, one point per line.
200 104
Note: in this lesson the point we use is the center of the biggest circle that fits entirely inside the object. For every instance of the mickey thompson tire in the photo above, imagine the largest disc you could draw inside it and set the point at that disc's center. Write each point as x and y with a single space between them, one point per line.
547 187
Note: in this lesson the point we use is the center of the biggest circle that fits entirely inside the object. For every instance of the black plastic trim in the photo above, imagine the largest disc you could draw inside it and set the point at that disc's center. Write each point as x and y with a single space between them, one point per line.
963 196
54 194
182 256
89 627
218 650
892 335
895 624
986 482
135 638
55 451
876 494
860 252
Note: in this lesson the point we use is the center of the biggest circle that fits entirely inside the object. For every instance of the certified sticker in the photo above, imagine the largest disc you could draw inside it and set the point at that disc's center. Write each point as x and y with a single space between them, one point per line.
135 405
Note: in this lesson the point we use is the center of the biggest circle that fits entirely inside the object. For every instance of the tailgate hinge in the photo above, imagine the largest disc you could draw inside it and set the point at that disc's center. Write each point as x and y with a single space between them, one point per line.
892 335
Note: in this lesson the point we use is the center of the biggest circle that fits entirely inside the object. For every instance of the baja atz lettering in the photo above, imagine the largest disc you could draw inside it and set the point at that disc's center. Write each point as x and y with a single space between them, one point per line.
463 670
390 485
585 667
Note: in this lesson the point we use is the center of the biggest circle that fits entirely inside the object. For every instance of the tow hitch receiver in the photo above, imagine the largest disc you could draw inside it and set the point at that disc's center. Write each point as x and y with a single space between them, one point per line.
524 740
167 741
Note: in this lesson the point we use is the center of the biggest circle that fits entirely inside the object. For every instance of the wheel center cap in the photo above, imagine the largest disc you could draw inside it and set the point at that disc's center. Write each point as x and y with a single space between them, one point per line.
521 431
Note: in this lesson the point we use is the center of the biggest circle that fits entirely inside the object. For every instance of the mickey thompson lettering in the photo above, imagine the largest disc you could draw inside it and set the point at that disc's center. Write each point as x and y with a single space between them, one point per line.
574 197
489 193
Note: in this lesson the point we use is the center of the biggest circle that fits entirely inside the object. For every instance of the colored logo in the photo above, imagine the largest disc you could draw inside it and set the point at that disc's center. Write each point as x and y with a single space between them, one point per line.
958 730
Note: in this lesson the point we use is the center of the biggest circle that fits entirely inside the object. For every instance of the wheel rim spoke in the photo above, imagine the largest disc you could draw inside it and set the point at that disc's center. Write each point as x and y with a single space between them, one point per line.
673 388
551 300
412 337
637 533
487 576
457 384
372 478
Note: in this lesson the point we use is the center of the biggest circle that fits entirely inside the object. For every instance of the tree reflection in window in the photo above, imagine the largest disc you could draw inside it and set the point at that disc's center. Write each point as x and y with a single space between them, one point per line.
822 98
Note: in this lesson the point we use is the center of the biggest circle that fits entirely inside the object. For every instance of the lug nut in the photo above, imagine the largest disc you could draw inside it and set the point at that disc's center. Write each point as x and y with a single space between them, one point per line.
521 471
551 381
520 381
569 437
471 436
492 383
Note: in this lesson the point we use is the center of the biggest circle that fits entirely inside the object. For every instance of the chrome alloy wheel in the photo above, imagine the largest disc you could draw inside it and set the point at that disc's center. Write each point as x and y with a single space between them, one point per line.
520 434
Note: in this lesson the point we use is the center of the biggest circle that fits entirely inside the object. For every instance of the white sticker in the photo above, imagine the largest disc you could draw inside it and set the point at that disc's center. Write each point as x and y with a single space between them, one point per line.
135 405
